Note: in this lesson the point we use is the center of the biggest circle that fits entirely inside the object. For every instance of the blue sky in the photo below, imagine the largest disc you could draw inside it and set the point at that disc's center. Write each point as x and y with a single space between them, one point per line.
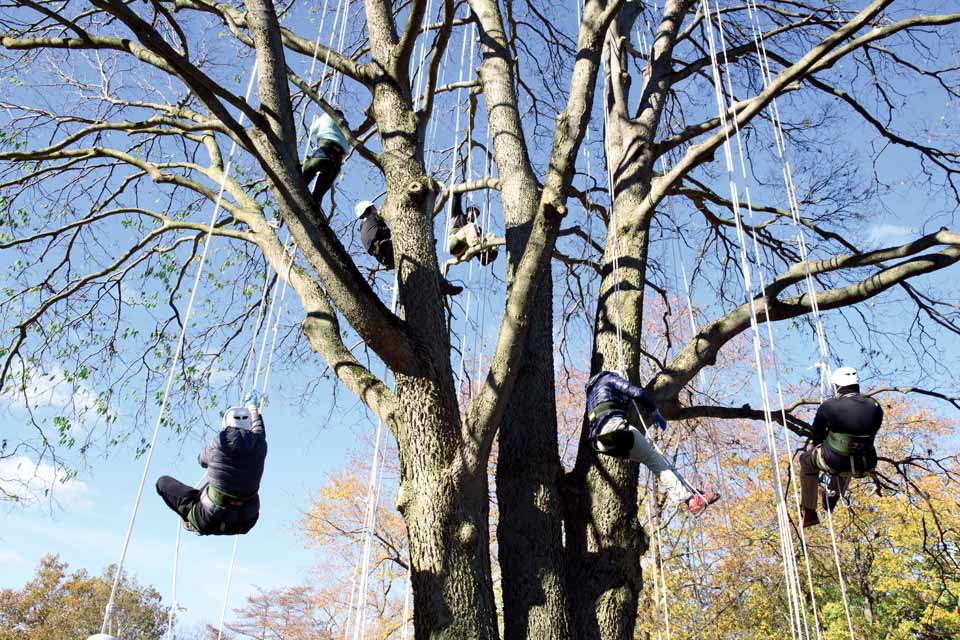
310 434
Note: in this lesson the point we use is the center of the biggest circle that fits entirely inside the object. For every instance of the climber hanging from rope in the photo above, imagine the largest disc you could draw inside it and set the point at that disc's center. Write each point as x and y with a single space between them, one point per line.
327 147
229 503
465 235
609 396
378 241
842 445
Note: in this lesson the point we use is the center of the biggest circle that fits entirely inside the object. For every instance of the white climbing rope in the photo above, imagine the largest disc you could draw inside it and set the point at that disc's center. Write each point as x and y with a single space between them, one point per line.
790 188
173 366
290 258
480 336
790 576
406 607
469 177
655 560
226 591
358 591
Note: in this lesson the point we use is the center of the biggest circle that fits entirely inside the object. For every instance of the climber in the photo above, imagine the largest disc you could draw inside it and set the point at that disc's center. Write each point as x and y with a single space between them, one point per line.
842 443
228 504
465 235
609 396
327 148
378 241
375 234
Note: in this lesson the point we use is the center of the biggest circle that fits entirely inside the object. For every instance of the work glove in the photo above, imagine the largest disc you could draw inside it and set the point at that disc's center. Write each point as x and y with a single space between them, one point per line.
252 403
659 420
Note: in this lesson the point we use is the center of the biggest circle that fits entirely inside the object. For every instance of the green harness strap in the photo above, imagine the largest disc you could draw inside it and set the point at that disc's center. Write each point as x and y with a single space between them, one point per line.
219 498
223 499
850 445
822 465
602 409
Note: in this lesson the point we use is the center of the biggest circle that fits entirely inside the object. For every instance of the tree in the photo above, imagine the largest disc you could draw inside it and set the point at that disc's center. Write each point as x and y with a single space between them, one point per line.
278 614
133 147
57 605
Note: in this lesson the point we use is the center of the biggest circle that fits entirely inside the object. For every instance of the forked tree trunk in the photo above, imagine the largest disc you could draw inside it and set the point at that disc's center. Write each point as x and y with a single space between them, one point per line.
604 538
529 530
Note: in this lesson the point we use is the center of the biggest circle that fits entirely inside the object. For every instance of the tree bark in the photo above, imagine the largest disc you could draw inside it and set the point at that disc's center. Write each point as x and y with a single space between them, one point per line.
604 538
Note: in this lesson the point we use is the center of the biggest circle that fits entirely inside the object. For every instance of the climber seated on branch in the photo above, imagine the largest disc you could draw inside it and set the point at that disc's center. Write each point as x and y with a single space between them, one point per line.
326 150
609 397
842 443
229 503
466 235
378 242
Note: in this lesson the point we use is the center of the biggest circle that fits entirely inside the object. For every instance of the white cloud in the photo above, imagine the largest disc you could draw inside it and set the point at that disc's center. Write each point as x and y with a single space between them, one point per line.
33 484
54 391
8 558
888 235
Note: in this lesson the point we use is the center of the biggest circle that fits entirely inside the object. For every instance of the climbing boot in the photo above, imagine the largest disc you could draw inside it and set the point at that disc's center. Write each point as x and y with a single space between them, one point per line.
809 518
698 503
447 288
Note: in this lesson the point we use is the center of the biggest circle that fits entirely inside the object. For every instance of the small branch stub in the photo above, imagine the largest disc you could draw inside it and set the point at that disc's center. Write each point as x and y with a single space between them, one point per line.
554 212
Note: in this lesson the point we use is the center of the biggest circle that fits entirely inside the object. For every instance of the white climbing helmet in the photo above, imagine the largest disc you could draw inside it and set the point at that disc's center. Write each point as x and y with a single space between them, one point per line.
238 417
844 377
362 207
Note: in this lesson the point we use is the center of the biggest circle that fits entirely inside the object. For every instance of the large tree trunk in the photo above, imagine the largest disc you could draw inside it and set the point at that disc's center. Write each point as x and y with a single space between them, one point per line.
529 531
604 538
444 492
444 501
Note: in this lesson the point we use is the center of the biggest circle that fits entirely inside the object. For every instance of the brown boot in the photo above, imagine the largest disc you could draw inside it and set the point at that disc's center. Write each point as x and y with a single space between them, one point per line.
809 518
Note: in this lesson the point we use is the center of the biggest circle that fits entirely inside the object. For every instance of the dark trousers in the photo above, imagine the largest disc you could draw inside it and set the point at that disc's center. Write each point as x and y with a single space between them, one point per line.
382 250
323 164
178 496
810 482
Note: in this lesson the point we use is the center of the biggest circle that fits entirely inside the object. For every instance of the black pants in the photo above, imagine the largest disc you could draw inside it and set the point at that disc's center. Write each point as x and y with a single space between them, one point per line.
383 252
178 496
209 519
324 164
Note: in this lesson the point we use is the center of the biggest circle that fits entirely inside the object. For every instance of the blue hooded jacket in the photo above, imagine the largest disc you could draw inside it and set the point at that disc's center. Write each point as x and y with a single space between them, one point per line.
608 386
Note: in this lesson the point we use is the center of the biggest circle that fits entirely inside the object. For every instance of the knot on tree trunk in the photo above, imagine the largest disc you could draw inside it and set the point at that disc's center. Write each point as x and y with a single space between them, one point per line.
420 188
467 535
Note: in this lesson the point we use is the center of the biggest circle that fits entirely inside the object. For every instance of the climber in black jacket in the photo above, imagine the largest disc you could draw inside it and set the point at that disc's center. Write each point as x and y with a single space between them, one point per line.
843 433
229 503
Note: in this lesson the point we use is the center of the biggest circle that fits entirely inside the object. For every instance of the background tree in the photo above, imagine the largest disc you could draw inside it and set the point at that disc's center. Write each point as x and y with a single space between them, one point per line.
898 545
58 605
133 148
278 614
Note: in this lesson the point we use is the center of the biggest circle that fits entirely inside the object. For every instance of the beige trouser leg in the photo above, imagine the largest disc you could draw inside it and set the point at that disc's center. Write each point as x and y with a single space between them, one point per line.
471 233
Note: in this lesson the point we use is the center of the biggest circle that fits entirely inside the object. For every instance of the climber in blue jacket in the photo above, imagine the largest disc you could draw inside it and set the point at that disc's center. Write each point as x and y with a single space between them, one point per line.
609 396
